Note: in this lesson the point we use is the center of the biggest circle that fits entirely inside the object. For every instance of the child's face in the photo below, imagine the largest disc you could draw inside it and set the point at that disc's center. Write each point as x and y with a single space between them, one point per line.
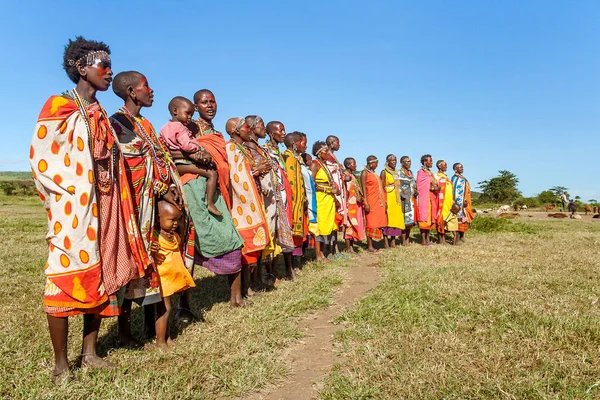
169 218
184 113
308 159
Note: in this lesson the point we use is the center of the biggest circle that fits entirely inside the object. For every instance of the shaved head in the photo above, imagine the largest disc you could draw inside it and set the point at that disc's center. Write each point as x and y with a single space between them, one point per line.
272 126
330 139
178 102
290 139
123 81
199 94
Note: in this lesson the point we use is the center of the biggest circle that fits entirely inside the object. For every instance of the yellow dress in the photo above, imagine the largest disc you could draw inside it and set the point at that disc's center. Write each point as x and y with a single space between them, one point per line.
394 203
325 208
447 221
172 274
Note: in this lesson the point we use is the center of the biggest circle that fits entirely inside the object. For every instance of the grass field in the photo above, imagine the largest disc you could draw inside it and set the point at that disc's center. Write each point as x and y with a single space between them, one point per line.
513 313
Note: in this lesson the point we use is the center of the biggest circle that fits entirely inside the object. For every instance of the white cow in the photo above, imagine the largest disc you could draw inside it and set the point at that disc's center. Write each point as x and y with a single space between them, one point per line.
504 208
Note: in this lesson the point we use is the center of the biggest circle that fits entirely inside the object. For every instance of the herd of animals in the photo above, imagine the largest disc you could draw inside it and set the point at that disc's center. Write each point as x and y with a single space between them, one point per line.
504 211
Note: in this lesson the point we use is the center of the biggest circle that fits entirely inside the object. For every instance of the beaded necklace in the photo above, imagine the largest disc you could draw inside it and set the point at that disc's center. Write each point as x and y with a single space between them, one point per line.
158 152
245 154
104 185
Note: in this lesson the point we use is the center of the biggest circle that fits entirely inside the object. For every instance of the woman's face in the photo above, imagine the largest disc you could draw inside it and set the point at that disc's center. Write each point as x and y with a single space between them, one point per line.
429 162
244 132
99 74
406 163
260 131
392 161
143 92
324 155
301 145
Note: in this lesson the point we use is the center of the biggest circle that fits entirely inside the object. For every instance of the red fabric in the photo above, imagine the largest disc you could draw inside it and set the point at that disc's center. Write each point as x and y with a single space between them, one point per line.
215 145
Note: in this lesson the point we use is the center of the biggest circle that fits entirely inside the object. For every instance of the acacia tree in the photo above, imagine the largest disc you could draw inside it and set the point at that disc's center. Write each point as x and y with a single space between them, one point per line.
558 190
501 189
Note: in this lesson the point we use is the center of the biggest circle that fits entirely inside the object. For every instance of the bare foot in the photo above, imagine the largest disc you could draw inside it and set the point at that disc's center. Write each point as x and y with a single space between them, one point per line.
237 303
213 210
171 342
128 342
93 361
62 377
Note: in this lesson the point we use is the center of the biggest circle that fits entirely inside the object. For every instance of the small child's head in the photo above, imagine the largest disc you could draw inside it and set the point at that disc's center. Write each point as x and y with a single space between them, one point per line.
168 216
181 110
306 158
350 164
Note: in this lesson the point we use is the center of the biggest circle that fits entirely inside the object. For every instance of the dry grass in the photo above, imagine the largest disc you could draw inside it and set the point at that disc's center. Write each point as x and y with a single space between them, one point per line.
511 314
233 352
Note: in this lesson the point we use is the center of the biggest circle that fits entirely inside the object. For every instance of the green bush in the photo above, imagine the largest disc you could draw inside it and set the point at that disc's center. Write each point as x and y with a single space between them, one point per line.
492 224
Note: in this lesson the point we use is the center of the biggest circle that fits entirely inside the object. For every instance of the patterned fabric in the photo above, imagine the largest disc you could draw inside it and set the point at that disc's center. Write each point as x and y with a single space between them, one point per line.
173 275
375 233
427 202
375 197
311 193
293 171
408 191
87 203
108 309
247 210
462 196
394 201
335 168
445 220
226 264
325 205
355 225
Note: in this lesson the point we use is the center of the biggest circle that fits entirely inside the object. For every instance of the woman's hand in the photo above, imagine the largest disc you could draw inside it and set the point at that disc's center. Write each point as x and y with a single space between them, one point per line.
367 208
335 190
173 197
263 167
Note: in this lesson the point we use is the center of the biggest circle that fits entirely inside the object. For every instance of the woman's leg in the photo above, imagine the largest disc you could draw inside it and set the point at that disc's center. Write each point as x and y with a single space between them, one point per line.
235 283
59 332
89 358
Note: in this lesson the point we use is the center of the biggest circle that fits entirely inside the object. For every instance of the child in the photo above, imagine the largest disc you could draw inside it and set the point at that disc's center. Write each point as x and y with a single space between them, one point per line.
172 274
177 137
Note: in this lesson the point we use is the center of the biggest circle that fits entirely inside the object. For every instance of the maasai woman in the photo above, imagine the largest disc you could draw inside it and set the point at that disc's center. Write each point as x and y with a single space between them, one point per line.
283 233
355 226
446 219
391 182
408 194
325 228
309 188
428 206
152 176
375 200
462 197
293 170
246 202
339 178
79 174
217 243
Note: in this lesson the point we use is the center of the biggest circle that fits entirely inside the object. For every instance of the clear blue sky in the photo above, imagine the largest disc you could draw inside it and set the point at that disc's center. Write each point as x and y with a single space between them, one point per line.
493 84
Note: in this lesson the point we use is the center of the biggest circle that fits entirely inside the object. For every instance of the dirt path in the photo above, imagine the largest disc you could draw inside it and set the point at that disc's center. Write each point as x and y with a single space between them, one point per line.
312 358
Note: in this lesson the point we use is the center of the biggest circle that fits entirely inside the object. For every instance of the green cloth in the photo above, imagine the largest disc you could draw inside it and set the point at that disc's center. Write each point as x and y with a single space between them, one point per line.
215 236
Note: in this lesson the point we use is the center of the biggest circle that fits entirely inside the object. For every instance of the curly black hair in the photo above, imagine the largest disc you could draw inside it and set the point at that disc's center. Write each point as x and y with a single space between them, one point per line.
123 80
75 50
424 158
318 144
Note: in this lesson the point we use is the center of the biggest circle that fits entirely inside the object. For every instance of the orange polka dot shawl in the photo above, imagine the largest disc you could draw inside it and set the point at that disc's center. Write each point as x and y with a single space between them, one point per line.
247 210
63 170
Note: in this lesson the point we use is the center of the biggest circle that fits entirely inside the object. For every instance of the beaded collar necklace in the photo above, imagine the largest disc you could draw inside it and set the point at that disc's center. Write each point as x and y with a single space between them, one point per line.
158 152
104 185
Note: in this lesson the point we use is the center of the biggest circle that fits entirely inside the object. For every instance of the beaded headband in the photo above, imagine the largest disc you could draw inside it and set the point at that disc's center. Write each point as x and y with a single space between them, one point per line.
257 119
89 58
324 147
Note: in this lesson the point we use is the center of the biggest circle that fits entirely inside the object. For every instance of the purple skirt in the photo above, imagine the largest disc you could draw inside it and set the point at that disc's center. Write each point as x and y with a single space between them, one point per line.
392 231
226 264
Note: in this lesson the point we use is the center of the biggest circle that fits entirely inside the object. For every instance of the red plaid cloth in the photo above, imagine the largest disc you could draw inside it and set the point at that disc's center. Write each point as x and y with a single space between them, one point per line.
374 233
109 309
463 227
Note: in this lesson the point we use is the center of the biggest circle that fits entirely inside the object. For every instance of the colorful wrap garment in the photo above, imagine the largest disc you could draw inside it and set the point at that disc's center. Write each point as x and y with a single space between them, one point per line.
355 225
95 247
336 169
150 171
282 194
174 276
214 143
446 220
427 201
394 211
462 196
376 199
293 171
247 210
311 193
325 224
408 191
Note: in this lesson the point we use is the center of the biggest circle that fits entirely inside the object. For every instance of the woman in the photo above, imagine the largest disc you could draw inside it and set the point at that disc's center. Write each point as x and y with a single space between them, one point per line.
216 242
462 197
428 206
391 183
79 173
408 194
152 176
374 203
446 218
326 191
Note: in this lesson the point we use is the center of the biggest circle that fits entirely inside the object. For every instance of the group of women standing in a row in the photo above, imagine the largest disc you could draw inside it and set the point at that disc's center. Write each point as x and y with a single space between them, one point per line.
130 214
